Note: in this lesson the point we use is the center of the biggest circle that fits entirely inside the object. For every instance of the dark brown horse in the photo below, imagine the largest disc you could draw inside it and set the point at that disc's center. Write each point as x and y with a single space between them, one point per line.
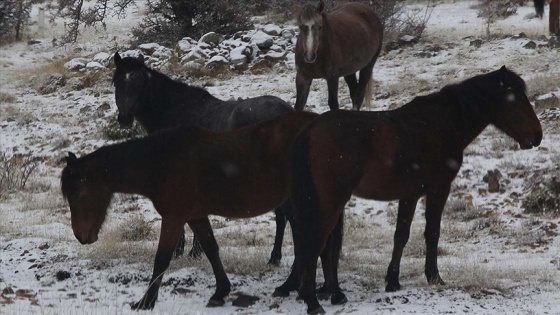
403 154
334 44
188 173
553 15
158 102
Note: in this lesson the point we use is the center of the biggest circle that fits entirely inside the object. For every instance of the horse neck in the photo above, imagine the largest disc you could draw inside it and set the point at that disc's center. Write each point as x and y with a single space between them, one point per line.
324 47
122 168
170 103
470 112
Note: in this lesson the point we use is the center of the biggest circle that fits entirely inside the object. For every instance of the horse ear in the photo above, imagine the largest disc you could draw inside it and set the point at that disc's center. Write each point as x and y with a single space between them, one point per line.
71 158
503 68
117 59
503 76
320 7
141 58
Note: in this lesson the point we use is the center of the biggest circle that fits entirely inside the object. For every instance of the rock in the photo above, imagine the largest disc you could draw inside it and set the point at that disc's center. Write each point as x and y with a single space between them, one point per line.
193 65
547 101
262 40
102 58
33 42
196 54
217 62
271 29
244 300
185 45
93 65
211 38
530 45
261 66
162 53
75 84
131 53
476 43
76 64
148 49
288 34
493 180
62 275
275 57
408 40
553 42
102 109
238 58
53 83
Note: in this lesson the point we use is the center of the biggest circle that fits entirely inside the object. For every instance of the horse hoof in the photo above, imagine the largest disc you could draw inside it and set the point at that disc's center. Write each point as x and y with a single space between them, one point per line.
318 310
215 303
392 287
142 306
338 299
323 296
280 293
244 300
274 262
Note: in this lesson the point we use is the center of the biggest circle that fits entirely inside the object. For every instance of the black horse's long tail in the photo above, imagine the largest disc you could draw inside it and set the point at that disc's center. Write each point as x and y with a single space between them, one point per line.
539 7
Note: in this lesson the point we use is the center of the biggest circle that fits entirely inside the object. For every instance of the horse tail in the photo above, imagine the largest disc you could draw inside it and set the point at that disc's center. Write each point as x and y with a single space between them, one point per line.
368 93
539 7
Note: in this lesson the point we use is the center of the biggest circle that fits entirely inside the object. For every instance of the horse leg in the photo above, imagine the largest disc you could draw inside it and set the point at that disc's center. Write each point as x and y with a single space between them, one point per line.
196 250
435 202
276 254
203 230
554 17
330 258
302 91
170 232
352 83
316 225
402 233
293 280
180 247
332 84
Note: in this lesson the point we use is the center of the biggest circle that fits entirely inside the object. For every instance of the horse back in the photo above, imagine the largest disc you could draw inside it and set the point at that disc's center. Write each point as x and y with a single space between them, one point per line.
255 110
377 154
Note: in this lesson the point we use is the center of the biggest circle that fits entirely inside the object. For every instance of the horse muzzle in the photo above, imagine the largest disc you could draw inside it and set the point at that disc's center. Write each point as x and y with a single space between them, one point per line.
531 143
125 121
86 238
310 58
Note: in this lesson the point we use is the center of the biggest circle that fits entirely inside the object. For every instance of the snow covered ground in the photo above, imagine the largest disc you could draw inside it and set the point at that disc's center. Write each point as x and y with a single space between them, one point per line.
495 257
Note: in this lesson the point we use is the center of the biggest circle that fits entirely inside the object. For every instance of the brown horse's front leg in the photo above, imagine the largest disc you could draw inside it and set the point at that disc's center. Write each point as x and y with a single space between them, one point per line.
302 91
402 233
170 232
203 230
435 202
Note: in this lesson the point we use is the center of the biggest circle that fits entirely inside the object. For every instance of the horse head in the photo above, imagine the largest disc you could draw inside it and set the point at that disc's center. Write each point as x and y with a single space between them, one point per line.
310 22
514 114
131 79
88 200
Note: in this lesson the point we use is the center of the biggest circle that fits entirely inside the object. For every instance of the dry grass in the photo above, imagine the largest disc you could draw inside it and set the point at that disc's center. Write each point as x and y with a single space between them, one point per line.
6 98
542 84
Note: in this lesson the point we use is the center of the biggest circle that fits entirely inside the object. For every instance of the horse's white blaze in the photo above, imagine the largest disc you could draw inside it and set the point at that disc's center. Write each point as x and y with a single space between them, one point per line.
310 35
510 97
127 77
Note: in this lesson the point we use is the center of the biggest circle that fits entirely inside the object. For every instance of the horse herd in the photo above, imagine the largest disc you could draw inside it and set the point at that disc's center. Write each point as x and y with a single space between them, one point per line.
239 159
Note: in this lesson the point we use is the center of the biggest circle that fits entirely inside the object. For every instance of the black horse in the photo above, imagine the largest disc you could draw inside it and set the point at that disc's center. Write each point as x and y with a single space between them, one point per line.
157 102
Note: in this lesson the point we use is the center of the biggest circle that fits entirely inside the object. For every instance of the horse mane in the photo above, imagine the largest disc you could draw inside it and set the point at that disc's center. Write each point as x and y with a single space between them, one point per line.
475 90
110 159
137 64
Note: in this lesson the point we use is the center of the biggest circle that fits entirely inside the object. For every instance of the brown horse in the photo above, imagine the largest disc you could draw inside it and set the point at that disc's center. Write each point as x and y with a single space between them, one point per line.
402 154
339 43
553 16
188 173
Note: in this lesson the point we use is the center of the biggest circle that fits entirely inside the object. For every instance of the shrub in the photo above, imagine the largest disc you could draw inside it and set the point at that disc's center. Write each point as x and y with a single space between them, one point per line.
113 131
544 199
14 17
15 171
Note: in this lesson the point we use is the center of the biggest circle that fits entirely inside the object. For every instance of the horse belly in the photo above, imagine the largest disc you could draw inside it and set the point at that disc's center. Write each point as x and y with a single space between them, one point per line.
384 186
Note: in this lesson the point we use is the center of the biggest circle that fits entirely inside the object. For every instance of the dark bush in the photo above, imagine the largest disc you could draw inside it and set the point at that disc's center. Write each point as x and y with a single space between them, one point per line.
544 198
